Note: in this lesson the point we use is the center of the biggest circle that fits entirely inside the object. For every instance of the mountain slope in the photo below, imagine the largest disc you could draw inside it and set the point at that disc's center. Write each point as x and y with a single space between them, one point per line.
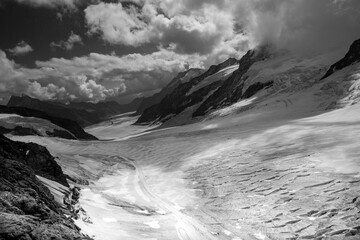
231 90
182 97
84 114
22 126
351 57
261 74
157 97
63 123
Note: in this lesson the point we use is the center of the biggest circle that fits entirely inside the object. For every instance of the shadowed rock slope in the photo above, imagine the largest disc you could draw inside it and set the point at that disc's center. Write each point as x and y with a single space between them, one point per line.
34 156
351 57
231 90
28 211
69 125
157 97
182 97
84 114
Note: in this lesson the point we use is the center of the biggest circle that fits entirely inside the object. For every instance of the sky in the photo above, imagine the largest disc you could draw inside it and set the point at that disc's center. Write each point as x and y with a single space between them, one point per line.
93 50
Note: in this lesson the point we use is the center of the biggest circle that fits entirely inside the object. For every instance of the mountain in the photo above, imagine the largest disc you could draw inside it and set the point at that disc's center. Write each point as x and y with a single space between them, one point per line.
232 88
84 114
189 93
351 57
65 128
261 74
182 77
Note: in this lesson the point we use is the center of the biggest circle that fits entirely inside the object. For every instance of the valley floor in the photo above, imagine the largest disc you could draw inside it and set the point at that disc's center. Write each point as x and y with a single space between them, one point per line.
281 173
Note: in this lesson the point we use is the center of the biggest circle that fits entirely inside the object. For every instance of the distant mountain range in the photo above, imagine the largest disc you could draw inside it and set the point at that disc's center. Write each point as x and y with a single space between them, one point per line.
68 129
83 113
191 94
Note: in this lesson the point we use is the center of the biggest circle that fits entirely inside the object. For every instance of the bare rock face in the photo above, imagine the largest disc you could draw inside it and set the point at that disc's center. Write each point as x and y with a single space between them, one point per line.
351 57
28 211
34 156
179 99
182 77
231 90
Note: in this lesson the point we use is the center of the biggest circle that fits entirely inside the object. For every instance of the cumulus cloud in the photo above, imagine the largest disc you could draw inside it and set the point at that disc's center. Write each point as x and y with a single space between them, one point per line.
69 43
199 30
22 48
206 26
93 77
187 33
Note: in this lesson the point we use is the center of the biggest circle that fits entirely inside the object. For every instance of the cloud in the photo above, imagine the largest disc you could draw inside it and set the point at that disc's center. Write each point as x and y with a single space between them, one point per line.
187 33
119 25
22 48
206 26
48 84
94 77
50 3
199 30
69 43
304 26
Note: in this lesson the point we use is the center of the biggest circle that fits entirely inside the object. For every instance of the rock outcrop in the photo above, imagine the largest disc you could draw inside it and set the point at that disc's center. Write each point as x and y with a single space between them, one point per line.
34 156
351 57
28 211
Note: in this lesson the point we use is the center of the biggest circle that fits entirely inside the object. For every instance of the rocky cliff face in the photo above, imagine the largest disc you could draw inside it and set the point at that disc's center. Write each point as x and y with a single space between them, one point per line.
351 57
28 211
182 97
34 156
69 125
231 90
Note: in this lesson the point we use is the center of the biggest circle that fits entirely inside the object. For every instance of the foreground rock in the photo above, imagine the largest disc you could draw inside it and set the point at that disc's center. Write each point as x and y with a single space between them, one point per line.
27 208
34 156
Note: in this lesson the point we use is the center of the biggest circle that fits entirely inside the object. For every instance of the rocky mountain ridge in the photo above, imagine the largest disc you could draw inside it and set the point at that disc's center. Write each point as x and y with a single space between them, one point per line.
280 72
182 97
